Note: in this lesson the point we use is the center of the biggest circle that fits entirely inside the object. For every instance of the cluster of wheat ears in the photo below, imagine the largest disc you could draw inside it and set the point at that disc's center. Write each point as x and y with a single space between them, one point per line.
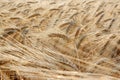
59 39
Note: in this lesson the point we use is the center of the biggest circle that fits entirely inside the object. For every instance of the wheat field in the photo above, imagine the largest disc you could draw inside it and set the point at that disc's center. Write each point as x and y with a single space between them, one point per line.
59 39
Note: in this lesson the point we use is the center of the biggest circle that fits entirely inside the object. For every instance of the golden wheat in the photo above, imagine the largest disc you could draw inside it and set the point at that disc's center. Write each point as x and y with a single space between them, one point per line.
59 39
